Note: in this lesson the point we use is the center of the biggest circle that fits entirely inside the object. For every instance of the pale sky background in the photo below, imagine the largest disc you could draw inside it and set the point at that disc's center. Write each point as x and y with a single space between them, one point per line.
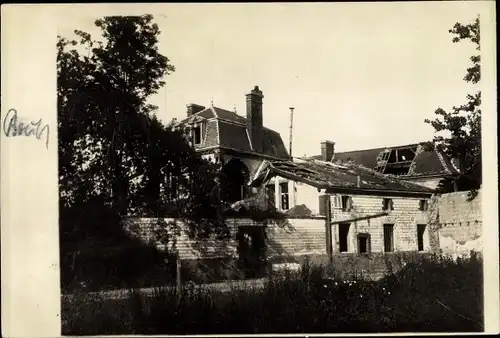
362 75
222 51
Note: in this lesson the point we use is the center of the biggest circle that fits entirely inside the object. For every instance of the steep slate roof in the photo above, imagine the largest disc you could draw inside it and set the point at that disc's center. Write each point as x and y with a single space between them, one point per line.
227 130
328 175
426 163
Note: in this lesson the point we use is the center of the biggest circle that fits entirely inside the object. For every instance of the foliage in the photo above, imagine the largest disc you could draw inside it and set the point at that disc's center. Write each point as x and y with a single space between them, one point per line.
463 123
113 151
432 295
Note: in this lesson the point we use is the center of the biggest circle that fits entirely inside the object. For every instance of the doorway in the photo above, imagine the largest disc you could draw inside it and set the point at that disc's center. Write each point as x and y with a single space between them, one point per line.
344 237
252 258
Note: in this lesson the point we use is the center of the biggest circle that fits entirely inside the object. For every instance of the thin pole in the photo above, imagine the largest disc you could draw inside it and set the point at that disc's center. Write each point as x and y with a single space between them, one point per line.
291 129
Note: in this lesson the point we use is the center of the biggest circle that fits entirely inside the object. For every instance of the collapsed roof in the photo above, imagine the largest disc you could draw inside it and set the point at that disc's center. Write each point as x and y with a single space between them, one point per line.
410 161
331 176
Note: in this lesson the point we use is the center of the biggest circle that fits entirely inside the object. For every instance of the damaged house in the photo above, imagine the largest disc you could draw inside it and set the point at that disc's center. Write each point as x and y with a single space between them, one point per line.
367 211
239 143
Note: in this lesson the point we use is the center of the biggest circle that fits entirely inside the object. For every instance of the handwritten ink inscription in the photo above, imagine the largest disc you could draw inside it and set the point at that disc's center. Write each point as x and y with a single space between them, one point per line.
12 127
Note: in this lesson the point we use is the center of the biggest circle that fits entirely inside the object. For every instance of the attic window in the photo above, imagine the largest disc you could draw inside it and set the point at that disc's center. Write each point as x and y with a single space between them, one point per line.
197 134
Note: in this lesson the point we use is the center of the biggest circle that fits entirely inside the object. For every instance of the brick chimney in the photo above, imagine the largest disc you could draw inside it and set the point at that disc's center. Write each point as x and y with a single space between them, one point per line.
327 150
193 109
254 118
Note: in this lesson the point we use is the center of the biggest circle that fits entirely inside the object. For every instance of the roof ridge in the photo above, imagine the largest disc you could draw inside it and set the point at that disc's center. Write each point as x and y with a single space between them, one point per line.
230 121
384 147
218 131
248 137
442 161
212 108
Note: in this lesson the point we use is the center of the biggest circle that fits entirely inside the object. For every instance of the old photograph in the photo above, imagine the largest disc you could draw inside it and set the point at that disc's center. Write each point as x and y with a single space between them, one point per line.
271 169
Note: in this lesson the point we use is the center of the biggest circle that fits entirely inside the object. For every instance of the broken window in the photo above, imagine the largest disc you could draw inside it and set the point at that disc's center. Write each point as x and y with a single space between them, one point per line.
392 157
388 237
423 205
197 135
284 196
271 195
344 237
364 245
399 161
387 204
420 236
346 202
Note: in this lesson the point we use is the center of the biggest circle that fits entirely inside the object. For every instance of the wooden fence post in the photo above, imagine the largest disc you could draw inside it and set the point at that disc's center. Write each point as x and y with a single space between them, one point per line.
328 228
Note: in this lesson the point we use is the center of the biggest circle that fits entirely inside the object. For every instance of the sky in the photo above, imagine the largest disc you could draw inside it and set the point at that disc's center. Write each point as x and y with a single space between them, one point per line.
363 75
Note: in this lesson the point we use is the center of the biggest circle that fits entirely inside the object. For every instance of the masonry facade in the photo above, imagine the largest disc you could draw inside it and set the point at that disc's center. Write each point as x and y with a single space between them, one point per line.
364 223
366 212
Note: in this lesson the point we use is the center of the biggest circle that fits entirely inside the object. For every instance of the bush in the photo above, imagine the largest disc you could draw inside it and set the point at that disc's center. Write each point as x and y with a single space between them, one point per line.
435 294
96 253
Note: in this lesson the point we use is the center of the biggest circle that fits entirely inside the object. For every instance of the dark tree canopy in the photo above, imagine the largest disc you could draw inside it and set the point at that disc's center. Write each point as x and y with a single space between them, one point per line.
462 124
113 151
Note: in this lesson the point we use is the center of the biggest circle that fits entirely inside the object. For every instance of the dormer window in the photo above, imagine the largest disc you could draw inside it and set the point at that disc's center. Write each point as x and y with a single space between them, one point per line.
197 135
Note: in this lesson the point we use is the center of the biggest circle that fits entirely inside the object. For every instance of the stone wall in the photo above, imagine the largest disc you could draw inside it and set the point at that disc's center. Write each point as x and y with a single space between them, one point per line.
460 223
301 237
214 259
453 226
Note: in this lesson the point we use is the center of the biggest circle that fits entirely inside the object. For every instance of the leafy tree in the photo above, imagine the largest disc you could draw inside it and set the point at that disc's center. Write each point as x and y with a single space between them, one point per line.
113 151
115 156
463 123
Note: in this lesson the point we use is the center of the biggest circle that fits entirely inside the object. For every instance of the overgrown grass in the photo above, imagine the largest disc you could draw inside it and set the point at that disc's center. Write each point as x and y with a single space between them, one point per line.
433 295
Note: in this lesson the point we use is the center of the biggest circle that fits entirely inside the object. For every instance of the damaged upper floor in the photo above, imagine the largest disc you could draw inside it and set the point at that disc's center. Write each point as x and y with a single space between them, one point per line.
409 161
